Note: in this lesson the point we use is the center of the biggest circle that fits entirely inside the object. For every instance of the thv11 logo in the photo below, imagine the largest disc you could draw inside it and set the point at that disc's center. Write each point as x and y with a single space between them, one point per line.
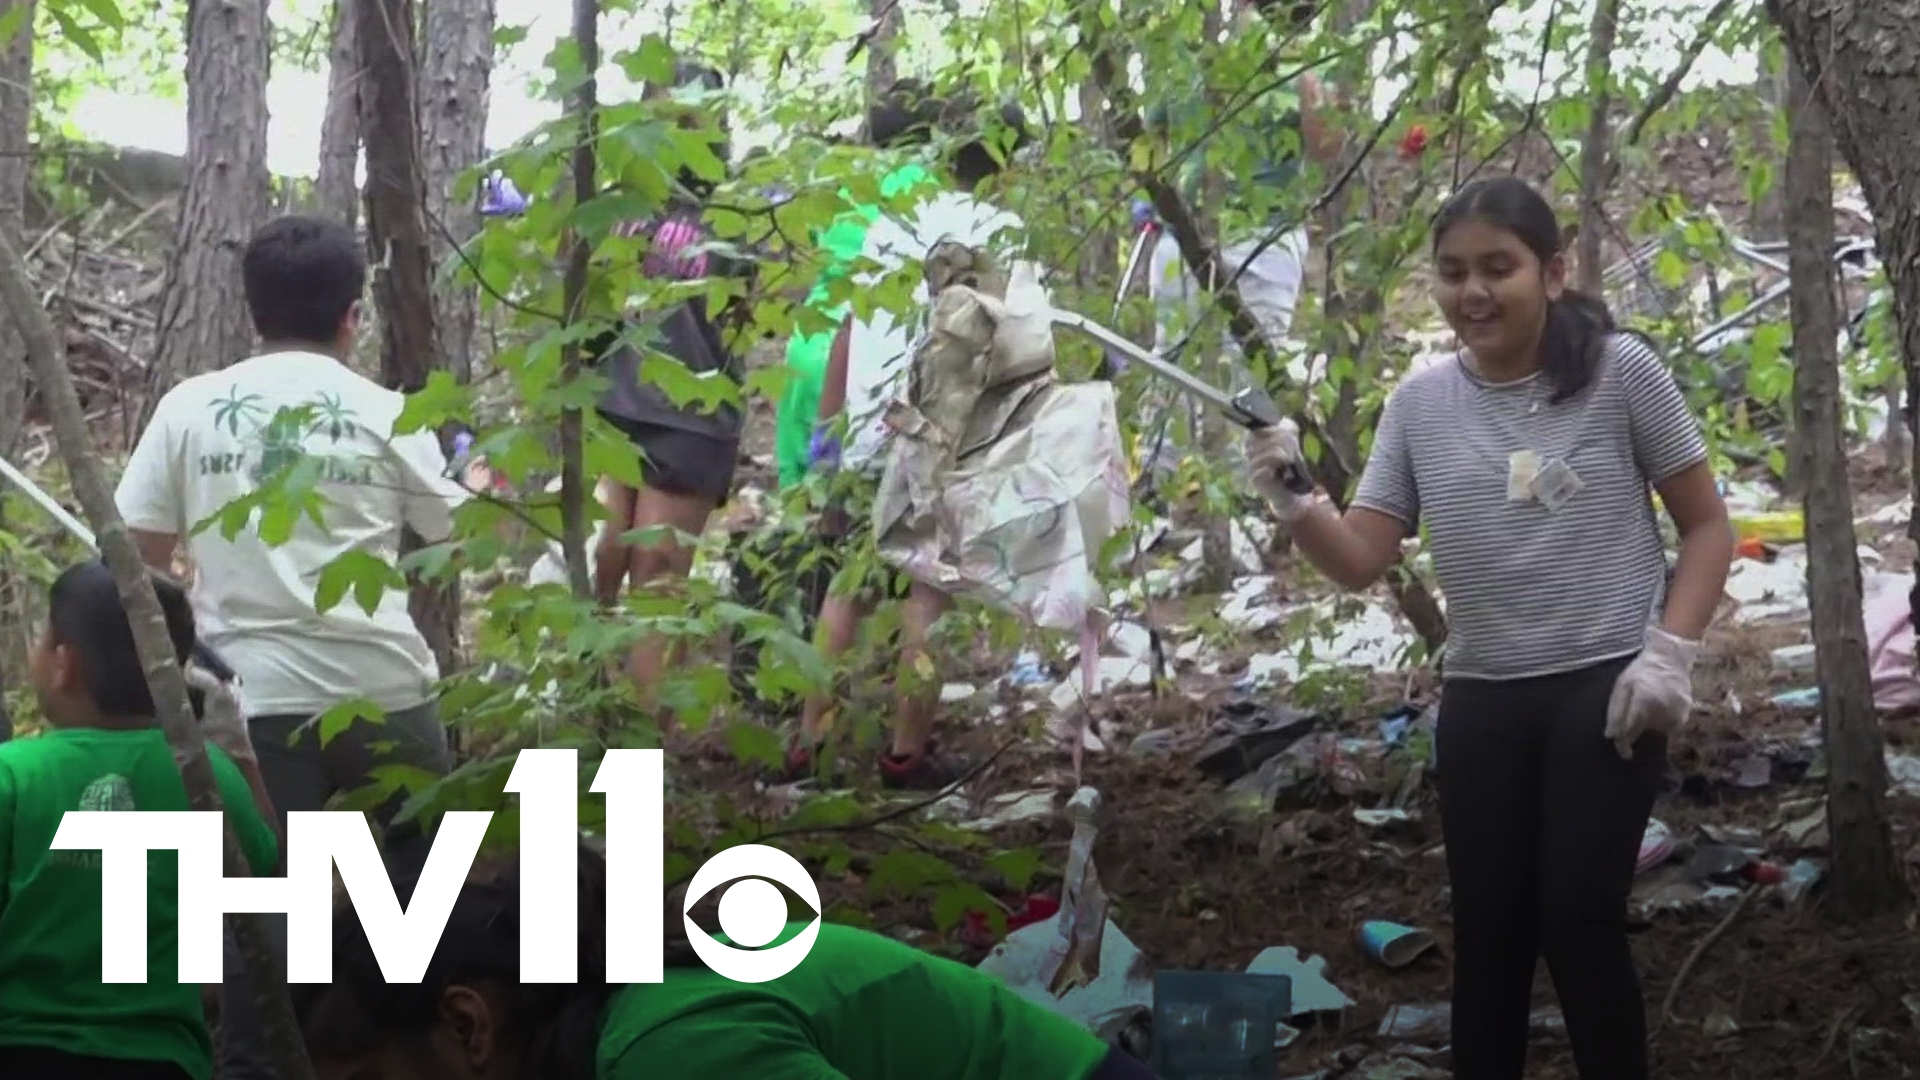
752 912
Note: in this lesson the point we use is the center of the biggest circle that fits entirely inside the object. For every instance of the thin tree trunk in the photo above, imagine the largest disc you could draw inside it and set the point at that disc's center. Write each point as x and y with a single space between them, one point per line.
16 121
1864 62
584 110
1866 878
337 188
204 324
1595 145
151 640
882 68
455 69
401 254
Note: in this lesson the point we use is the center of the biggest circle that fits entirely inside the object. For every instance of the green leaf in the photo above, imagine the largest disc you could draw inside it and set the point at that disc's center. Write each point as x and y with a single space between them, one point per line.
74 34
1018 866
755 744
107 12
342 716
368 575
441 400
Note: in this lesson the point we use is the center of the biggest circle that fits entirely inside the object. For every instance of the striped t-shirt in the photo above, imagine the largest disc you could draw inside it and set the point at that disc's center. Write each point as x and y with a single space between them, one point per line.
1535 591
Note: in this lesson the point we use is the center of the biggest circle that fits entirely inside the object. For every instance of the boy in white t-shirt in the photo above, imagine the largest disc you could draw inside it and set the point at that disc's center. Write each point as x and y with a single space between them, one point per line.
216 438
866 369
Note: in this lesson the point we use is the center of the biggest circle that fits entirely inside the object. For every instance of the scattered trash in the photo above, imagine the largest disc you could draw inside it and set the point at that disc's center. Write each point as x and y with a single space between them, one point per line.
1157 741
1028 671
955 692
1717 863
995 812
1078 964
1432 1024
1656 846
1250 732
1312 993
1719 1023
1217 1025
1393 1067
1248 609
1903 773
1380 819
1793 660
1808 830
1770 591
1804 699
1392 944
1122 993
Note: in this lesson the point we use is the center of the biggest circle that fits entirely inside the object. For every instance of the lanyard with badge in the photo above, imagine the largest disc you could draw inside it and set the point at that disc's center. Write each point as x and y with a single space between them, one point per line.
1535 476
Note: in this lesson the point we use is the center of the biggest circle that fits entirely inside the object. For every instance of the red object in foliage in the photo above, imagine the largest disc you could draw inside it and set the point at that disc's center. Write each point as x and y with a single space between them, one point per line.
1414 142
976 931
1764 873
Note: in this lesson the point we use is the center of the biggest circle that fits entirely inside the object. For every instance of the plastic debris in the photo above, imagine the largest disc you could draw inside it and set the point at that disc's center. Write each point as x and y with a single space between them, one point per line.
1217 1025
1656 846
1312 993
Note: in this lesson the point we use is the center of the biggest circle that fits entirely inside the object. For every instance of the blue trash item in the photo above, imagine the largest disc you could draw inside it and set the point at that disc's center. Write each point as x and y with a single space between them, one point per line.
1217 1025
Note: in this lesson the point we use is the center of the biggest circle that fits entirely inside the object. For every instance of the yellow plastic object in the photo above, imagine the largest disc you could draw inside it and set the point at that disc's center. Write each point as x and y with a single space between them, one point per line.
1775 527
1771 526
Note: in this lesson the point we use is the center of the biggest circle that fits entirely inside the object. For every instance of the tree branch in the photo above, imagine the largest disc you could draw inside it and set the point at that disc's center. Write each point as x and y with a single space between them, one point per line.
1664 93
165 679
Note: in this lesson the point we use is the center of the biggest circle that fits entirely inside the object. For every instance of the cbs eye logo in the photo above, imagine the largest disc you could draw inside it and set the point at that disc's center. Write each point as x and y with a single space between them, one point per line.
752 913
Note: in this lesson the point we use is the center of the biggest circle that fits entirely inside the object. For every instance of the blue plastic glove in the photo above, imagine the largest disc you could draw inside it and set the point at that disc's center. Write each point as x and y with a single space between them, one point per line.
499 198
1142 214
823 452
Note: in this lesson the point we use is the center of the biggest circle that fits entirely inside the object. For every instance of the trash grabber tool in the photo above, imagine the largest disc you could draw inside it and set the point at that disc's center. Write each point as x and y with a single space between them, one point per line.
1251 408
202 653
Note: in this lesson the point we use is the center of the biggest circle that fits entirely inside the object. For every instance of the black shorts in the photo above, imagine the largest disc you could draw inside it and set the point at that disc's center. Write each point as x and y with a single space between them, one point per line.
681 462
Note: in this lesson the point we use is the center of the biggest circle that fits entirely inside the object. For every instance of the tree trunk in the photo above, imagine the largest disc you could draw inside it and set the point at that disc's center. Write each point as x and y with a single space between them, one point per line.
1594 147
337 188
204 324
882 71
164 676
455 70
1864 61
584 109
401 254
1866 877
16 121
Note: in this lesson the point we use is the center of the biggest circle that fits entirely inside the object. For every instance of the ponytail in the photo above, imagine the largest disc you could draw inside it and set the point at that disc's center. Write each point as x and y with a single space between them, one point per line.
1574 342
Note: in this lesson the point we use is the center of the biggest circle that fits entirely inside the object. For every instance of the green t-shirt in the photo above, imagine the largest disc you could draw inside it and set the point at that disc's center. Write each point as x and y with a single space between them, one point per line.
51 995
860 1007
799 409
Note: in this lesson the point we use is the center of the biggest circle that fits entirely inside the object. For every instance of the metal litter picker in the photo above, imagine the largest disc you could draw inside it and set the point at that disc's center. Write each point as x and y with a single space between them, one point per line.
202 654
1251 408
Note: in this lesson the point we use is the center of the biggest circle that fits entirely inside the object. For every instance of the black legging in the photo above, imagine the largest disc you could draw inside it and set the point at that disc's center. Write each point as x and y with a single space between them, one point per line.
1543 821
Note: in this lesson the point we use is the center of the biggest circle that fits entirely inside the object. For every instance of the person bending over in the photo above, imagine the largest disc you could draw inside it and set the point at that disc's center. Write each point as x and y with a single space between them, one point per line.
1569 659
859 1007
103 751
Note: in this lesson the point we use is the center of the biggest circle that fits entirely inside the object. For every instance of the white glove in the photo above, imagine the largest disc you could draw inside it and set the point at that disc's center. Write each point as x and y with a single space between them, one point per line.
1654 693
1271 453
223 721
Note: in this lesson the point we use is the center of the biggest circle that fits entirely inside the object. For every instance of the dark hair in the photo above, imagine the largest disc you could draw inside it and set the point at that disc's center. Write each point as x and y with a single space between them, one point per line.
1575 339
909 114
86 615
302 275
361 1011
